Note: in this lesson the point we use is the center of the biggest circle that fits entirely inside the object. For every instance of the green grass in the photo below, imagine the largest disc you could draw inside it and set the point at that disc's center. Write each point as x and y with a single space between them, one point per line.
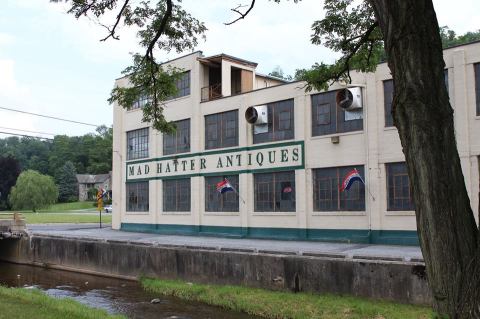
270 304
62 207
65 217
27 304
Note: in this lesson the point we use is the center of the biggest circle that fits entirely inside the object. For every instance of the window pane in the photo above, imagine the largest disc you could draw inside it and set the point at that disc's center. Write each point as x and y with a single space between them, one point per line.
137 197
280 123
275 192
183 85
178 142
221 130
176 195
477 86
217 202
398 187
387 101
326 193
137 144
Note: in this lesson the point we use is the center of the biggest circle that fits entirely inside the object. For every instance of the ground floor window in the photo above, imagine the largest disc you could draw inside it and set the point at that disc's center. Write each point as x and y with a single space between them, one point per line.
275 192
327 196
137 197
398 187
176 195
218 202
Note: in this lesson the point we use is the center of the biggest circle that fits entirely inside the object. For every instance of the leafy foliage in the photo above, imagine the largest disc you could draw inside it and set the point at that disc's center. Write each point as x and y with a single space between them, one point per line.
33 191
90 153
278 73
162 25
66 179
450 38
9 171
349 27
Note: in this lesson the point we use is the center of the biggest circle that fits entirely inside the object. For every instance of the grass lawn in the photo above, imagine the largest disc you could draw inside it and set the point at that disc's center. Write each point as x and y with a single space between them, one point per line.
28 304
65 217
61 207
269 304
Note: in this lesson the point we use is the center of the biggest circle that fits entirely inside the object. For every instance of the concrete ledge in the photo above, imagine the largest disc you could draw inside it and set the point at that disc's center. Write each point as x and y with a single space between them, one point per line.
392 280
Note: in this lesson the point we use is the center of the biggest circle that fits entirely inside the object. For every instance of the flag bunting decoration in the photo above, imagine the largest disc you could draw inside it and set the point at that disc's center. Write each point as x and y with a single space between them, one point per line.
351 177
224 186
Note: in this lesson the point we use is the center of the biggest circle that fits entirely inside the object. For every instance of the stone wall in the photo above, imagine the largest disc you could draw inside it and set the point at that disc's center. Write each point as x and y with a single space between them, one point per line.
381 279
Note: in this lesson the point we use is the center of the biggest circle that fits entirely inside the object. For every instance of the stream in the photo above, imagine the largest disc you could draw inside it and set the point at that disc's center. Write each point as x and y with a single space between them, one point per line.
116 296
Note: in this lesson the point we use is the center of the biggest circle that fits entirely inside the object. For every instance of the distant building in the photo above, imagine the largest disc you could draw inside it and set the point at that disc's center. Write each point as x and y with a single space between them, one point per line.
289 164
87 181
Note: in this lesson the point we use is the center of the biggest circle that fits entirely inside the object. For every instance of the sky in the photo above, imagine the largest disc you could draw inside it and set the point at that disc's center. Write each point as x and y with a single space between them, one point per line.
53 64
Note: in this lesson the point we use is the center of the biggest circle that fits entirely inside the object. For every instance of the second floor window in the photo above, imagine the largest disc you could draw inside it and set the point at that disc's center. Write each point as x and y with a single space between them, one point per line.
137 144
477 86
280 123
327 118
178 142
387 101
221 130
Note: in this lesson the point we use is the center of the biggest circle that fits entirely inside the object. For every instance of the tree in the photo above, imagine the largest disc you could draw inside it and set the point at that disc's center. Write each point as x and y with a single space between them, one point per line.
66 179
33 191
278 73
409 32
450 38
9 171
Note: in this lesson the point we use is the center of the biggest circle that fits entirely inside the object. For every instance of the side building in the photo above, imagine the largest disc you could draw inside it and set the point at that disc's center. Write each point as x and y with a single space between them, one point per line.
286 167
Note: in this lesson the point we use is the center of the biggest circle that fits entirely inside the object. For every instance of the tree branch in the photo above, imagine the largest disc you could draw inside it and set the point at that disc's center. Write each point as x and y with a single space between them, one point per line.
119 17
346 66
242 15
160 30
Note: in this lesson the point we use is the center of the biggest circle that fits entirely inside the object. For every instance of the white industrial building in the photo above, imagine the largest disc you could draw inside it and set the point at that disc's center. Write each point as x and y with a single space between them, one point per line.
287 167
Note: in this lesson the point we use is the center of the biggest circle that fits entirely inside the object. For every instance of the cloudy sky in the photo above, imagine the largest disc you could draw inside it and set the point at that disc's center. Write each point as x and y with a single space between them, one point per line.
52 64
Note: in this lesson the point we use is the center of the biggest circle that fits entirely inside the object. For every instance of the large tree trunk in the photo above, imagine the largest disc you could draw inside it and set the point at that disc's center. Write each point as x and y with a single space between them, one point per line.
424 118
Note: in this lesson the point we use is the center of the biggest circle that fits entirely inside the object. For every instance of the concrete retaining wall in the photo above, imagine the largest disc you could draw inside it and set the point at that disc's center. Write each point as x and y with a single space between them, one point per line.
399 281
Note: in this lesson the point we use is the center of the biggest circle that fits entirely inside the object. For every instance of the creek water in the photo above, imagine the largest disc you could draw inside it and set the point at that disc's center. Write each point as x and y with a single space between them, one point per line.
114 295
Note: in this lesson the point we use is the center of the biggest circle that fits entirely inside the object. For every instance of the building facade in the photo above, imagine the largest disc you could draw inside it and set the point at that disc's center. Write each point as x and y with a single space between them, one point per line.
287 171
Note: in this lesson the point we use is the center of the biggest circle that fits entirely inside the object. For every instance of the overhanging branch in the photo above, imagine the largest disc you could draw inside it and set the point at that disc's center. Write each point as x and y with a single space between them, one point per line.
242 14
119 17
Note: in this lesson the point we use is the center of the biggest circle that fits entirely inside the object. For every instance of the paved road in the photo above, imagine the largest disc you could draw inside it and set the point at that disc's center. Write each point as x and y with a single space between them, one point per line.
338 250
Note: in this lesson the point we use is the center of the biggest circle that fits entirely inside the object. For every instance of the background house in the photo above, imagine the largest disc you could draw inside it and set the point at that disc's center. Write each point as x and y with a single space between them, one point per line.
87 181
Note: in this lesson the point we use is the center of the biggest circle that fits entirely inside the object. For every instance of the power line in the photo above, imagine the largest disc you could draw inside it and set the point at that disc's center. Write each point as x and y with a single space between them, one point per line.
24 135
20 130
48 116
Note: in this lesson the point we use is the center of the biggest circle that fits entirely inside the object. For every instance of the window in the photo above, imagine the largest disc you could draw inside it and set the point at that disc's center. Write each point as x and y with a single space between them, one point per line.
137 144
280 123
176 195
445 78
137 197
327 196
387 101
327 118
388 91
216 202
275 192
221 130
141 102
183 85
178 142
477 86
398 187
